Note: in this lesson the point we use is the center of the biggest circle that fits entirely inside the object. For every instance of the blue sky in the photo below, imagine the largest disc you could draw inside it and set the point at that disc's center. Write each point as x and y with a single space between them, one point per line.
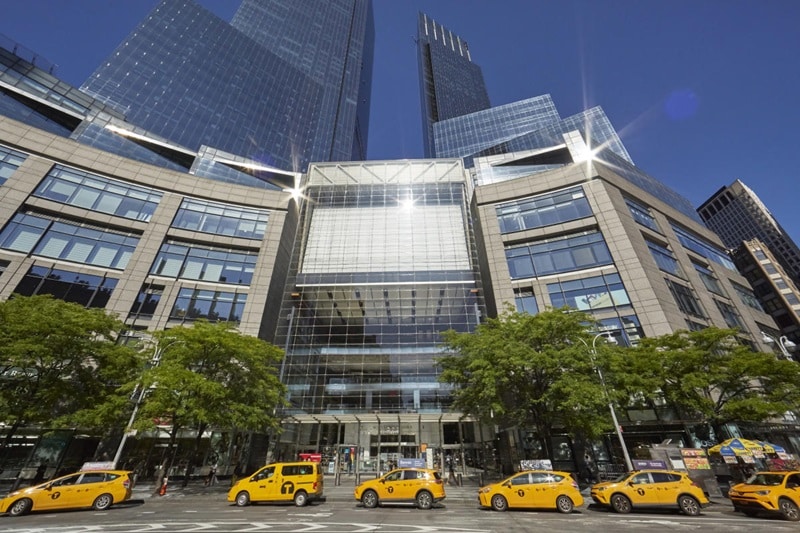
701 91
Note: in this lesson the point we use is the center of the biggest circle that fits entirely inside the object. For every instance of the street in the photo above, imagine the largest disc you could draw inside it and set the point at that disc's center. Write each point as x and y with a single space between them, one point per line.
208 511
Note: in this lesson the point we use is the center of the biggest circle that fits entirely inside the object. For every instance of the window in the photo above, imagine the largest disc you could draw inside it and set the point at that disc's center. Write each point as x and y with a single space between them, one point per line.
92 477
747 296
597 292
684 297
708 279
523 479
730 314
641 479
665 259
147 300
84 289
526 301
701 247
221 219
220 265
97 193
79 243
543 210
10 160
641 214
563 254
192 304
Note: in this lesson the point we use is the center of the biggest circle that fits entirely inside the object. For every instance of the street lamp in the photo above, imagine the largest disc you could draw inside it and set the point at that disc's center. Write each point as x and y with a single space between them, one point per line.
593 354
783 342
156 359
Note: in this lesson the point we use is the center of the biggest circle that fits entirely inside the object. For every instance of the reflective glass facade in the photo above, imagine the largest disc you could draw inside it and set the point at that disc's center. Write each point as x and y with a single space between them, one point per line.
97 193
187 76
10 160
386 263
85 289
221 219
451 85
61 239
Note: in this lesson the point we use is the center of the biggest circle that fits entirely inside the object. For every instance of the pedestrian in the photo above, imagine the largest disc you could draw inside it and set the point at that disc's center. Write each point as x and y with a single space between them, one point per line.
40 472
211 478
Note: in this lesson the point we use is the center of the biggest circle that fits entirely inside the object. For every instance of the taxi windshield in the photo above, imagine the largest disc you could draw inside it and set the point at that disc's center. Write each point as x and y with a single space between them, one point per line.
765 479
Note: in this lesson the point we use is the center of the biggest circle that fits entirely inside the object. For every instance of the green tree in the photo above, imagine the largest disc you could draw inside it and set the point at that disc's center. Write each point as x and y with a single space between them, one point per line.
58 359
530 370
711 377
209 375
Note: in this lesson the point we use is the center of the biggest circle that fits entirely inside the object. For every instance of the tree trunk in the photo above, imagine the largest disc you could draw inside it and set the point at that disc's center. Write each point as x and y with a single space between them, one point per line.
190 462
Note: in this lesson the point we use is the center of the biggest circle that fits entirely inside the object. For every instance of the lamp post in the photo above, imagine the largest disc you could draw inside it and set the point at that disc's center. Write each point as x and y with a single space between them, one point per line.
783 342
156 359
593 355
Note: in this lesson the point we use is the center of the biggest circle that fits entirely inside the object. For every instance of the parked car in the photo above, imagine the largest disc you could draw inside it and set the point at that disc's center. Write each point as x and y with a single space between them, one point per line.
651 488
419 486
770 492
96 489
299 482
533 489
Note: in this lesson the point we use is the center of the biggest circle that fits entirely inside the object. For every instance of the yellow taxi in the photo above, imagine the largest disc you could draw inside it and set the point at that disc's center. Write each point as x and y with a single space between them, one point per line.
651 488
770 492
98 489
420 486
299 482
533 489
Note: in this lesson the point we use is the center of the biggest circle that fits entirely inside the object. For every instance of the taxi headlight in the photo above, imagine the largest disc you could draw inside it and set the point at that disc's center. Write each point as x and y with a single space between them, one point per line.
485 490
599 489
762 492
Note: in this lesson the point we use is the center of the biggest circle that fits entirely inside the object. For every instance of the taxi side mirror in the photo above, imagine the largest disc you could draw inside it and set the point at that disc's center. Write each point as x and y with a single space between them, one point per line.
507 484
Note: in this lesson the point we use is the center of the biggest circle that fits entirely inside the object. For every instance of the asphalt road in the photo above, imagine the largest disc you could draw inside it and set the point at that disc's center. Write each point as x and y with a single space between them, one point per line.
207 510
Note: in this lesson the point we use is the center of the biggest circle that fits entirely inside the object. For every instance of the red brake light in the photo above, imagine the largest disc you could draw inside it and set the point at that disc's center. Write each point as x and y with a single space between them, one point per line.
439 481
126 483
314 486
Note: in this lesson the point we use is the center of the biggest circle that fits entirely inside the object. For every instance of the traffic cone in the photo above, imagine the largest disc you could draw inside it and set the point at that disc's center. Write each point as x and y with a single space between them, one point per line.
163 490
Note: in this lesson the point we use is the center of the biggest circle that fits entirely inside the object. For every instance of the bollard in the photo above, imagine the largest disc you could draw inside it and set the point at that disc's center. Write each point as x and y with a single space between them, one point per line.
459 480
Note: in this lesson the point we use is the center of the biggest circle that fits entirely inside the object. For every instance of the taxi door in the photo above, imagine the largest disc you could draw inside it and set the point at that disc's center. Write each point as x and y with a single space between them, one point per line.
667 487
642 490
263 486
412 482
520 493
88 488
391 486
62 494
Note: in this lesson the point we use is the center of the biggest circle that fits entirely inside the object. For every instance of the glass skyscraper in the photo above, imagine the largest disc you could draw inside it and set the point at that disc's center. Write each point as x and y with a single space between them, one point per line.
451 85
286 83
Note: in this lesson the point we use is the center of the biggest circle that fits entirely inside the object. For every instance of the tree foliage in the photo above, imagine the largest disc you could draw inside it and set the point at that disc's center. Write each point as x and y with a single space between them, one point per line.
530 370
710 377
211 375
58 359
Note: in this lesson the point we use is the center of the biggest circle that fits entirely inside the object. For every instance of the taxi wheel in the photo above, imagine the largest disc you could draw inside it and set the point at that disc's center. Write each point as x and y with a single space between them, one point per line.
789 510
424 500
243 498
370 499
620 503
300 498
499 502
564 504
20 507
689 505
102 502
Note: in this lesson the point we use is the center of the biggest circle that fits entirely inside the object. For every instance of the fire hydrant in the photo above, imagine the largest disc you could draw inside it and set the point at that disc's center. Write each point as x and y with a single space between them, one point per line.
163 490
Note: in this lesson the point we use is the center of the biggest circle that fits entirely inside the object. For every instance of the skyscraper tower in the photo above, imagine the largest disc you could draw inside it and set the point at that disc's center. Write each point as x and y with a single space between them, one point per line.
451 85
737 214
286 83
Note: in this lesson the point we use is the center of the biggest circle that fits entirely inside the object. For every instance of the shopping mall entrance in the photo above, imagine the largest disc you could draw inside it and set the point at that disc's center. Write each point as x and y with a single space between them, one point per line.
372 444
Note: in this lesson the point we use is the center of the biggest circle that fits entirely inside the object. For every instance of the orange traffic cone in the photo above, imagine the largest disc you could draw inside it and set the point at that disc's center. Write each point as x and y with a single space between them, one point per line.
163 490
